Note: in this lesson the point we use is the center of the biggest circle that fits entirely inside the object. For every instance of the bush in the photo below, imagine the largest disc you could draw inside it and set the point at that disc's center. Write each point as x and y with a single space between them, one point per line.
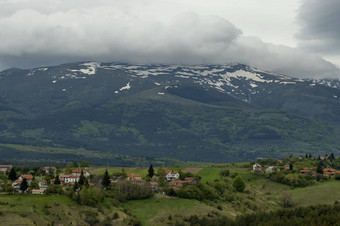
239 184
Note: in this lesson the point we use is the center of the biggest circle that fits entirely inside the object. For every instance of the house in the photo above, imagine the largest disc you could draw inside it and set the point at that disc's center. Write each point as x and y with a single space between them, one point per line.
43 185
5 168
305 171
177 183
29 178
190 180
271 169
78 173
329 171
68 178
324 157
37 192
257 167
286 167
16 185
171 175
154 186
50 169
133 177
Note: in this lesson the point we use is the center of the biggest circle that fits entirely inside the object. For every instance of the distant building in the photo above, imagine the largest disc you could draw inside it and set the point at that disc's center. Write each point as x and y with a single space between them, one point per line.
4 168
324 157
305 171
154 186
257 167
286 167
171 175
50 169
37 192
78 173
29 178
133 177
272 169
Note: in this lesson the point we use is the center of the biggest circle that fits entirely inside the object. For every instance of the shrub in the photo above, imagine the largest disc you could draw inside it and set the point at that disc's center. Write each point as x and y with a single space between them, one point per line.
239 184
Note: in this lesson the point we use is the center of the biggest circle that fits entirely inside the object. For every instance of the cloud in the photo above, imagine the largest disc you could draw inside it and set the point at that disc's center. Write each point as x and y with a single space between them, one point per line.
135 32
319 26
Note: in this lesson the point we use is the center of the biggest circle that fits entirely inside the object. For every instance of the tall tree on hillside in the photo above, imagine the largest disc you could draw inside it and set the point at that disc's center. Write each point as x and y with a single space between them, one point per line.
151 171
106 180
24 185
290 166
57 180
332 157
319 168
82 180
12 174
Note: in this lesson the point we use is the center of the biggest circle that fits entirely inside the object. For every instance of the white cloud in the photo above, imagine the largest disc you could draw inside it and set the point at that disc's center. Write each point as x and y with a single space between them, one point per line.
37 33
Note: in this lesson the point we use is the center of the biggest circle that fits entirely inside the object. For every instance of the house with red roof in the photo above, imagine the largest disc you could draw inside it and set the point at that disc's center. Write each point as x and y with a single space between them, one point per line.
28 177
305 171
4 168
286 167
133 177
154 186
78 173
171 175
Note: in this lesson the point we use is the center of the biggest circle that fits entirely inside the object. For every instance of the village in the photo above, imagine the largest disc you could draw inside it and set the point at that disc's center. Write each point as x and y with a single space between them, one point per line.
23 183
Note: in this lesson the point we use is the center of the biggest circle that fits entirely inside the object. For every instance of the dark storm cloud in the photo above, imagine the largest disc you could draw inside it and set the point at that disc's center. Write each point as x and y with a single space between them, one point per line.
320 26
36 33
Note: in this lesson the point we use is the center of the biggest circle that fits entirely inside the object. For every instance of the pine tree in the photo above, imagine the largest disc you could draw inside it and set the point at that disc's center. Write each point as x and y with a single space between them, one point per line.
57 180
24 185
319 169
332 157
151 171
106 180
12 174
290 166
239 184
82 179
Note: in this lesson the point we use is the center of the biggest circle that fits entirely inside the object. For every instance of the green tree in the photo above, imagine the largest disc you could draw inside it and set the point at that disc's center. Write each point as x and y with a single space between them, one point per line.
319 169
151 171
239 184
57 180
84 164
12 174
82 180
106 180
34 185
24 185
290 166
332 157
68 169
75 164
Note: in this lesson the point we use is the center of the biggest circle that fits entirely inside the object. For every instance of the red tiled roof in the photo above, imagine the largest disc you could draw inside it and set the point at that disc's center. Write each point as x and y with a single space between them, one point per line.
304 171
18 181
329 170
27 177
153 183
73 177
286 165
64 176
170 171
5 166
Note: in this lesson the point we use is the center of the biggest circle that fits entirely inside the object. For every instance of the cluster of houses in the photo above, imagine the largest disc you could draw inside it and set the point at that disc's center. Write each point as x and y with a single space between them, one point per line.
65 180
171 176
326 172
305 171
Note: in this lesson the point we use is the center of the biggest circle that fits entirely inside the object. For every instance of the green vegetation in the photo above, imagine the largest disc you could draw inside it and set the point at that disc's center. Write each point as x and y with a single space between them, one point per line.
227 194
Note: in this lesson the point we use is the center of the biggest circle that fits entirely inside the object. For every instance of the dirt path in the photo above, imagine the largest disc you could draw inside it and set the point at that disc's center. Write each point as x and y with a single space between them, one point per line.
96 170
192 170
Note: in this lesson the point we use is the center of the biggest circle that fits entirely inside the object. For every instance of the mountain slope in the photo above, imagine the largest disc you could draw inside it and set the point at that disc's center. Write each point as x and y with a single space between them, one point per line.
202 113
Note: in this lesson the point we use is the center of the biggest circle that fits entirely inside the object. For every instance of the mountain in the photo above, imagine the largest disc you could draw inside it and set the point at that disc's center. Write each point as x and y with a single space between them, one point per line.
209 113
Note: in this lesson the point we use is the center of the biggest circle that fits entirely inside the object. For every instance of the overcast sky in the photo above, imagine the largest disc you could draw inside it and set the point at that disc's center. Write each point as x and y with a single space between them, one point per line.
294 37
